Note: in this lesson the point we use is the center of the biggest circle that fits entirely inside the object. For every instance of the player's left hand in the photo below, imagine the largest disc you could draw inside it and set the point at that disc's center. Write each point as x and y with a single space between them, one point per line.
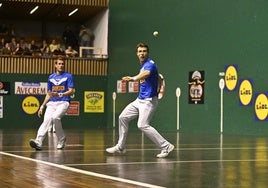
127 78
40 112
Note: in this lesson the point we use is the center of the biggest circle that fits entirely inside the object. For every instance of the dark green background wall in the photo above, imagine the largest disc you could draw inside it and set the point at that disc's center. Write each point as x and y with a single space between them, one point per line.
193 35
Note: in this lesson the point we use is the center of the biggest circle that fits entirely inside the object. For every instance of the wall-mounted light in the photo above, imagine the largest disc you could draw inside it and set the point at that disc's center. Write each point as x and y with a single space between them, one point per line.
35 8
74 11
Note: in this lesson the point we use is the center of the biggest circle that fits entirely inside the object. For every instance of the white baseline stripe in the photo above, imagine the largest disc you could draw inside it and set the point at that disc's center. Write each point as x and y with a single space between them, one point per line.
84 171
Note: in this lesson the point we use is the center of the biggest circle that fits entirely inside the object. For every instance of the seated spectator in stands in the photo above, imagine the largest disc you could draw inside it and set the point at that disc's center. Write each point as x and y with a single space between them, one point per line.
18 50
34 49
23 44
58 51
44 48
6 50
25 47
2 43
52 46
13 44
70 52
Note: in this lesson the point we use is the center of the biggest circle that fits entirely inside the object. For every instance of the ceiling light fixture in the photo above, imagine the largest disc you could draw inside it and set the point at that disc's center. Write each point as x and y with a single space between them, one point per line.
74 11
35 8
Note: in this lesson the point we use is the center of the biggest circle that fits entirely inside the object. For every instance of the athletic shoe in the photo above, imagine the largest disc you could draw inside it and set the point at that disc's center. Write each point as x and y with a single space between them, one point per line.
166 151
61 143
115 149
35 144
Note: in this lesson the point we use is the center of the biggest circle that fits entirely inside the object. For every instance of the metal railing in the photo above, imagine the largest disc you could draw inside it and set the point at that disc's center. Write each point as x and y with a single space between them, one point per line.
93 49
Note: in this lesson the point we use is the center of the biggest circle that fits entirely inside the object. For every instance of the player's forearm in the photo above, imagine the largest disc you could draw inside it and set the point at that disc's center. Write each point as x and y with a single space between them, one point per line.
69 92
45 102
140 76
62 94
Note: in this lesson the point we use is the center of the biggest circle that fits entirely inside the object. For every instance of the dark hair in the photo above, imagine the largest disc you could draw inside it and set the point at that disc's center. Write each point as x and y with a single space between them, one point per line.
142 45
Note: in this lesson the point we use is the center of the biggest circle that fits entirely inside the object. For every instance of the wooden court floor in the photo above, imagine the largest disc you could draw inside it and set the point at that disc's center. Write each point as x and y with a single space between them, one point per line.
198 161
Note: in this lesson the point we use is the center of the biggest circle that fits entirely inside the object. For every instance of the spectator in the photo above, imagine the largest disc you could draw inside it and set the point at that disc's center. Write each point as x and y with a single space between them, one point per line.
58 51
13 44
18 50
70 52
44 48
6 50
25 47
52 46
34 49
2 43
69 37
86 37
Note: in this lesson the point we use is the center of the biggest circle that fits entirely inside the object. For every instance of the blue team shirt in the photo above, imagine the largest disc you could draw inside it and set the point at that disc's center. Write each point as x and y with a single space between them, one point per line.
148 87
60 83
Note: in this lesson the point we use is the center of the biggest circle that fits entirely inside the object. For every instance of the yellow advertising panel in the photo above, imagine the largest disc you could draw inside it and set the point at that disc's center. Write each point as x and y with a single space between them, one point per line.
30 105
231 77
261 106
245 92
94 102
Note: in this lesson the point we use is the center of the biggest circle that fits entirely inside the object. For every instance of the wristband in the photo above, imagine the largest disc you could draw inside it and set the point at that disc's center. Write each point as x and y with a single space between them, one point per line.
41 107
60 94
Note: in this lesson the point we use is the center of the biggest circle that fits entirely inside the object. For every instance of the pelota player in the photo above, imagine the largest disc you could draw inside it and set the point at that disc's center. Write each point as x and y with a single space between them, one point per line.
60 88
144 106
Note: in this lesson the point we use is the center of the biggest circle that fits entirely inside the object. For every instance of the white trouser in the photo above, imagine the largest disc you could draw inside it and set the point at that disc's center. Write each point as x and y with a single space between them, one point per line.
54 112
145 110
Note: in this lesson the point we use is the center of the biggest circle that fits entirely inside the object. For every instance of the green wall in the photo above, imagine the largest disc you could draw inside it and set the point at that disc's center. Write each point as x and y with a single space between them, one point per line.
15 117
193 35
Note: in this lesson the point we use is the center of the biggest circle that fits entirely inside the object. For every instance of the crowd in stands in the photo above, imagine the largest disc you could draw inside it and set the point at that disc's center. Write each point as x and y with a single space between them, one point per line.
23 48
67 46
